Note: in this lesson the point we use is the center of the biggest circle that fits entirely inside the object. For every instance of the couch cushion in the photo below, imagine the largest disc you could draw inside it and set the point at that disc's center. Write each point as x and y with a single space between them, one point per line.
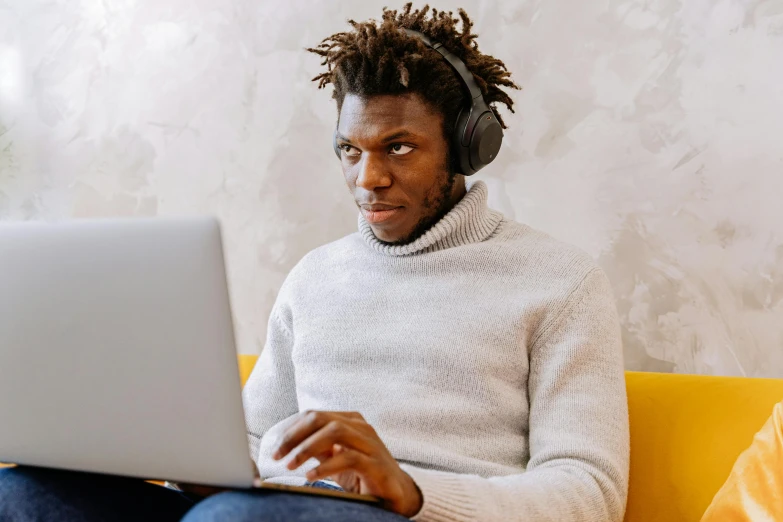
686 433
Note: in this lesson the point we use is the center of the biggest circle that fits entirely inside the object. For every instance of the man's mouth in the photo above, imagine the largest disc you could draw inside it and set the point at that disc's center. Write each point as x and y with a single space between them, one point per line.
378 214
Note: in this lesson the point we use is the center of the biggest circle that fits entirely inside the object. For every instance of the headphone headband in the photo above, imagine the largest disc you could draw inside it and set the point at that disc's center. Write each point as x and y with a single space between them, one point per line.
459 66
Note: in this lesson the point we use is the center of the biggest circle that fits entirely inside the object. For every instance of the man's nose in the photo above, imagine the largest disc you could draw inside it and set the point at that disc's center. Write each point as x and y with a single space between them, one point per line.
372 173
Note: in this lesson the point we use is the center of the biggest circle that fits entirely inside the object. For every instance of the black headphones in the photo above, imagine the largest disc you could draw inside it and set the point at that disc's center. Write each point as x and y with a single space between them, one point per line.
478 134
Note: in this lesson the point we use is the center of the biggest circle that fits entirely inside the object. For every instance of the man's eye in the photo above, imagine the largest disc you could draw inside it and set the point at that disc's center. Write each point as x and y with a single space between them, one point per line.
349 150
399 149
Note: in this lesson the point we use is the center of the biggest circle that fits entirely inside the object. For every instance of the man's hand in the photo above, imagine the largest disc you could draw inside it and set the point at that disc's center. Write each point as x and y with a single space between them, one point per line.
352 454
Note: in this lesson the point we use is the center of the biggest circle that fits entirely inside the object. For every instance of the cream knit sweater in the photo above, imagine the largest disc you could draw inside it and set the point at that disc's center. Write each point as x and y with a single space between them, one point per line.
485 354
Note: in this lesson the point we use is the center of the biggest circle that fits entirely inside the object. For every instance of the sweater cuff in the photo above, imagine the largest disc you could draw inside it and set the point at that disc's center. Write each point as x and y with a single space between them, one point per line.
445 496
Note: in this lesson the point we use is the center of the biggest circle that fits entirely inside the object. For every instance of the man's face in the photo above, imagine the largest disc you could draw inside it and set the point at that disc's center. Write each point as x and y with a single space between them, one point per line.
395 161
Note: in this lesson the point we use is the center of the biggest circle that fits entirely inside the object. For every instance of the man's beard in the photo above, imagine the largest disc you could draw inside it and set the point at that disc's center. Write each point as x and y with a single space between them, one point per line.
437 204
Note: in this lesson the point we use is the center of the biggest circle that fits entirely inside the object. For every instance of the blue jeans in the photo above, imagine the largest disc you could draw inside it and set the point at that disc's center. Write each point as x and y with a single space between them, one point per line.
44 495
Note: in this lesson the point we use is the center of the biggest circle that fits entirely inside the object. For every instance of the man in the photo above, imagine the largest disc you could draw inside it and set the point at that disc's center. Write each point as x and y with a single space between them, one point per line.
455 364
754 490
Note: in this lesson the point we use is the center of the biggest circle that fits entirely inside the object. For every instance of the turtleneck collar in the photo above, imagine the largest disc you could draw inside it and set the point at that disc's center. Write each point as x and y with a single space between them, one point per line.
470 221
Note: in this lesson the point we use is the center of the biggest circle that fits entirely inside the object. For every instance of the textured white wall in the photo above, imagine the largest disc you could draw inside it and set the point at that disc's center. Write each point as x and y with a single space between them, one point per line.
648 132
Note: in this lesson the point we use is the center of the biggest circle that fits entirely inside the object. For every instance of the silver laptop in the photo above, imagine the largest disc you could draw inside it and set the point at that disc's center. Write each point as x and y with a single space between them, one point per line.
117 351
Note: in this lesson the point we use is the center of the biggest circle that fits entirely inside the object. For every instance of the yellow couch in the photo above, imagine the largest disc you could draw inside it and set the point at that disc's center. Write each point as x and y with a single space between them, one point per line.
686 433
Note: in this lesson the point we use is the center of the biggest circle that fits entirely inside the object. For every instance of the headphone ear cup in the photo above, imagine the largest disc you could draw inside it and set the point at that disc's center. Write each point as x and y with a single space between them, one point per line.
334 145
461 153
485 141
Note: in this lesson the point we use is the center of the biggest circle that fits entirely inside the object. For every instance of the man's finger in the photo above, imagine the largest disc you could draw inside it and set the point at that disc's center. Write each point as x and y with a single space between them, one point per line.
346 460
323 441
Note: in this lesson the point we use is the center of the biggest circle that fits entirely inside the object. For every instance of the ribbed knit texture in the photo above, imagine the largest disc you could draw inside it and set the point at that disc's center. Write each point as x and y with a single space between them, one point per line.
485 354
468 222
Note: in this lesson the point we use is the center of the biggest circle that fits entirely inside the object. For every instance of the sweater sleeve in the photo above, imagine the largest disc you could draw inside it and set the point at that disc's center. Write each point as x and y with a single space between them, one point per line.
269 396
579 435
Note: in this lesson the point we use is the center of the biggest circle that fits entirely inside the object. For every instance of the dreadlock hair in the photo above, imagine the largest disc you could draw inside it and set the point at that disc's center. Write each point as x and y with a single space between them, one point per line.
380 58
